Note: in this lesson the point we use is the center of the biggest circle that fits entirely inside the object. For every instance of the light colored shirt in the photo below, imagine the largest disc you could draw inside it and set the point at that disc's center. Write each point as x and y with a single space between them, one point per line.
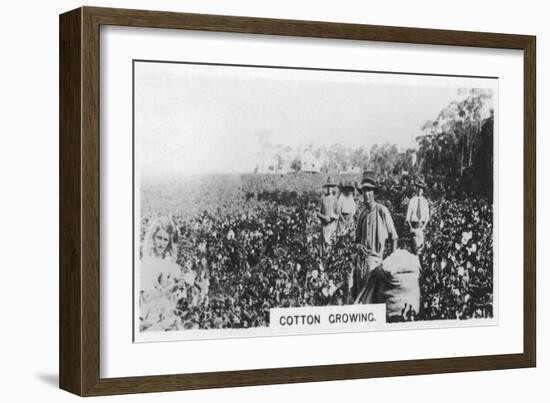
156 302
346 205
346 210
373 229
329 210
418 210
156 274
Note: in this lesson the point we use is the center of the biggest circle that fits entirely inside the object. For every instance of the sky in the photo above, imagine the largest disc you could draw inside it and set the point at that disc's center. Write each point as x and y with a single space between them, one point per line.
202 119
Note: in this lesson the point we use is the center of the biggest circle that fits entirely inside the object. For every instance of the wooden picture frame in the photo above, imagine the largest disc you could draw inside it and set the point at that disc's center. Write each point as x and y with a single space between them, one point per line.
79 281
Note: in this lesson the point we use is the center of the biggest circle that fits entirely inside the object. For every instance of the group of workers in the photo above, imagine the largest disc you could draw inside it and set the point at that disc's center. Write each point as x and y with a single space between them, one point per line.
374 224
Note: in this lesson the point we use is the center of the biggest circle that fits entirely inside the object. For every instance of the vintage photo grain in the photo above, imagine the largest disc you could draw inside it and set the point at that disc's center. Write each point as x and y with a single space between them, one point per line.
272 201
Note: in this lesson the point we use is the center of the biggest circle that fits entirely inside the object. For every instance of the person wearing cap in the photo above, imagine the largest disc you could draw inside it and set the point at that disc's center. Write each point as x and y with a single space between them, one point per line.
328 214
346 208
374 226
418 215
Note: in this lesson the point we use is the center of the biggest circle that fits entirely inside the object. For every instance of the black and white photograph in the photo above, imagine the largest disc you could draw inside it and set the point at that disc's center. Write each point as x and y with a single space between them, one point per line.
272 200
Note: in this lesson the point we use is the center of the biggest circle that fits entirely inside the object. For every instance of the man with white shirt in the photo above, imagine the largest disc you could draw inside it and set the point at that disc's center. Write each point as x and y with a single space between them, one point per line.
346 207
328 215
418 215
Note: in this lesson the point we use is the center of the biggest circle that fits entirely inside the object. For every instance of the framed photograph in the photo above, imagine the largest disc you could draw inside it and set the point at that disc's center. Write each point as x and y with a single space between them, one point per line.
250 201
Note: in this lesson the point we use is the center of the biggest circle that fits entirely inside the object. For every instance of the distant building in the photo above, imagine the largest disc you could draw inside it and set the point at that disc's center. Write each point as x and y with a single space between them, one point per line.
268 163
272 163
309 163
352 170
285 168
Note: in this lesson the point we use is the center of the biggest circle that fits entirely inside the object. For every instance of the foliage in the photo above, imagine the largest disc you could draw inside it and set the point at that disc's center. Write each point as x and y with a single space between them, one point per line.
456 147
458 144
261 251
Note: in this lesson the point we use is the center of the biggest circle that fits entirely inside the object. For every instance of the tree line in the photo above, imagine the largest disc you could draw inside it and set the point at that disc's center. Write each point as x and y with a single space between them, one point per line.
456 146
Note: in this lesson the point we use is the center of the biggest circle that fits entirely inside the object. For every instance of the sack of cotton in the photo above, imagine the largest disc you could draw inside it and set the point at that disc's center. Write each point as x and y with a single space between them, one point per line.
395 283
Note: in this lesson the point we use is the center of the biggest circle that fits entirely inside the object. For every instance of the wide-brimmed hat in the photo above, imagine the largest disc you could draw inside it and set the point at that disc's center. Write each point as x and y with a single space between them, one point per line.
368 182
347 186
420 183
329 183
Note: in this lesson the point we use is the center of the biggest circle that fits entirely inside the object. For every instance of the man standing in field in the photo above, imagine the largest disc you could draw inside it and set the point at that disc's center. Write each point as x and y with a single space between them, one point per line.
374 226
346 209
418 215
328 215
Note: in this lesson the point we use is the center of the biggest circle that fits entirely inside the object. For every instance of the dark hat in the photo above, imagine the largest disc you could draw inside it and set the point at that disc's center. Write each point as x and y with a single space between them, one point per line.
329 183
368 181
347 186
420 183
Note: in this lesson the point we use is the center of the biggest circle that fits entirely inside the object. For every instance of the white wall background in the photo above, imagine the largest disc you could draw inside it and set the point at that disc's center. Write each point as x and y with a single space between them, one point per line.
29 198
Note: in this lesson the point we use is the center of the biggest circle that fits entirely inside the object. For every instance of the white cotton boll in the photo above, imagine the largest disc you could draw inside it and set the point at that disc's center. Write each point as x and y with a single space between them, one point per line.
188 265
332 288
401 261
189 277
466 236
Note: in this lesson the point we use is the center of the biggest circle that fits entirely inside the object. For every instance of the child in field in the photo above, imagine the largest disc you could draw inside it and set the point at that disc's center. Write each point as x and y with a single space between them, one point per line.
158 274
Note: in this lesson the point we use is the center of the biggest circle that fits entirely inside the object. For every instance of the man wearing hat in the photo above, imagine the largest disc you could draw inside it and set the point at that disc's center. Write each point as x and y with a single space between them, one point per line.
418 215
346 208
374 227
328 215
